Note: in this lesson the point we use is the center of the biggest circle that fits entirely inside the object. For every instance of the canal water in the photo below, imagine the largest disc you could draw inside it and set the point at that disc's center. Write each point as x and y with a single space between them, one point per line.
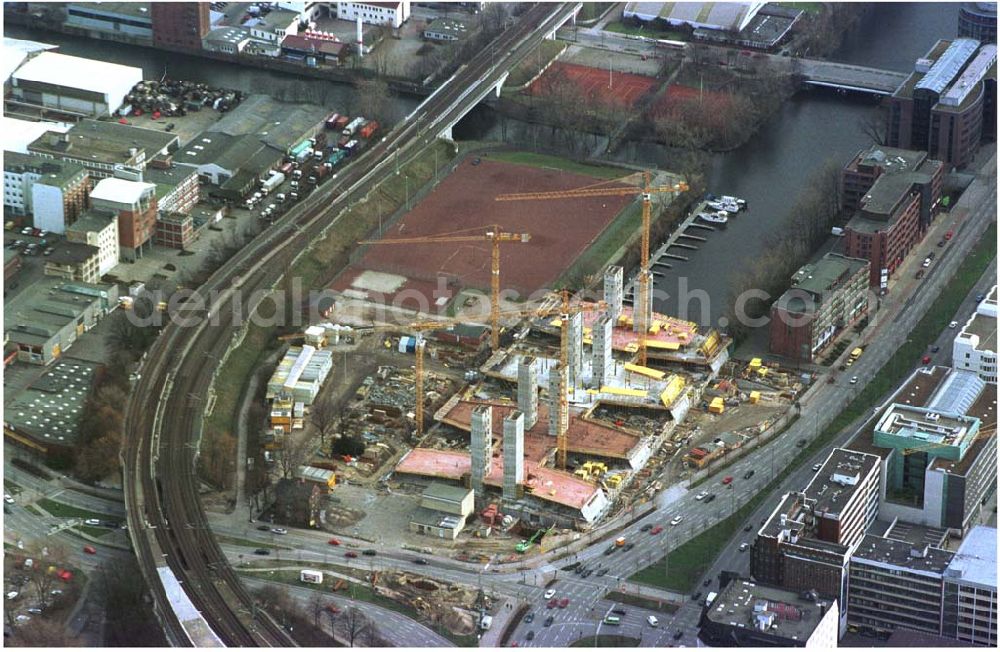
770 171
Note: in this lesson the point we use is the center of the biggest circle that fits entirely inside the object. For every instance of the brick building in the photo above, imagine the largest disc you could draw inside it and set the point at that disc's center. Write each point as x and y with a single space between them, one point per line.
941 106
175 230
826 297
180 24
894 211
134 202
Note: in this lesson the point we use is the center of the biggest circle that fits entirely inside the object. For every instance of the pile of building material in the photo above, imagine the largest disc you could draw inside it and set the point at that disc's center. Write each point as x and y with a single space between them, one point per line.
175 98
439 602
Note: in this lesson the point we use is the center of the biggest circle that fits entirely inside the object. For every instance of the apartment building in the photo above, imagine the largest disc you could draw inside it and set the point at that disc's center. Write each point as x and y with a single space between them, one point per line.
827 296
970 589
98 229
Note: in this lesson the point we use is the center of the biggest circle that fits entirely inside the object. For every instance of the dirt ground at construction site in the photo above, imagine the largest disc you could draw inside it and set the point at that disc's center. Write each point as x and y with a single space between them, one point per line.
560 230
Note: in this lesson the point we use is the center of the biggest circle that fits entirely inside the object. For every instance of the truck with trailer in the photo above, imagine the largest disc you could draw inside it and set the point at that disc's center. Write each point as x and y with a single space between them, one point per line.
350 147
331 122
368 129
302 146
341 122
304 155
353 125
336 156
275 180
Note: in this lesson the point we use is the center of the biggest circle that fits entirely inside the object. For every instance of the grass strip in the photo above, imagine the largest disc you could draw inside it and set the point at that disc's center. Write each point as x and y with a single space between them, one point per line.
690 561
535 160
68 511
646 29
606 640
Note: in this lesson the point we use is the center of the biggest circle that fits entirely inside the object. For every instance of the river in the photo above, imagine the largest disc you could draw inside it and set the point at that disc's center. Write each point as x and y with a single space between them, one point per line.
769 171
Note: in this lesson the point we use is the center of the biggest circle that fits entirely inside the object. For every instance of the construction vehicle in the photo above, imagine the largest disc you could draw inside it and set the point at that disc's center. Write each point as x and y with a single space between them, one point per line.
494 235
641 310
855 354
525 544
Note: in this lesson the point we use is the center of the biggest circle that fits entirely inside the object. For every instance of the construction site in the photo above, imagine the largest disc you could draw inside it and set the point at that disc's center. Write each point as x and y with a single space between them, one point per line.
529 424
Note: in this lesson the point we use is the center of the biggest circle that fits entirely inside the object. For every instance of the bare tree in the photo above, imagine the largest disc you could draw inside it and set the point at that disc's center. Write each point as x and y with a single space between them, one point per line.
874 126
372 98
324 416
356 625
294 454
317 605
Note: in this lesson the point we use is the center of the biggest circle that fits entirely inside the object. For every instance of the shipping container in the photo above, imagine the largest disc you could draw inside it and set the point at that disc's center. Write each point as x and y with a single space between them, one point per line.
304 155
331 122
342 122
311 576
301 147
275 180
350 146
336 156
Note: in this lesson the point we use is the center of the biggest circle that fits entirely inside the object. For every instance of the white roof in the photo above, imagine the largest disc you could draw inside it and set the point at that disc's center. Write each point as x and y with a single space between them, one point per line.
76 72
15 51
18 134
120 190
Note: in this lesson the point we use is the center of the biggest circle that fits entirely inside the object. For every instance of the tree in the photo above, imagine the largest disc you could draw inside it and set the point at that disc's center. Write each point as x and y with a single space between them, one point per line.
317 605
356 625
98 459
873 125
372 98
294 454
324 416
45 554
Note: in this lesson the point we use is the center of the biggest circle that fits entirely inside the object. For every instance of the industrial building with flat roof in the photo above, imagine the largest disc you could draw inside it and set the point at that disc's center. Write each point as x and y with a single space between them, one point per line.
947 105
132 19
724 16
74 85
827 296
45 319
975 347
750 614
47 412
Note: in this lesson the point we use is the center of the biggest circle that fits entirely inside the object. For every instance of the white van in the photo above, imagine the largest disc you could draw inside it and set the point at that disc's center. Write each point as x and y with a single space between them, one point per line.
653 622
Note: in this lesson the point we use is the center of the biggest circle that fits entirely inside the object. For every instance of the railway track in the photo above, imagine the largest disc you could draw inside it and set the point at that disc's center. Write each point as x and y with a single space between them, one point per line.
164 414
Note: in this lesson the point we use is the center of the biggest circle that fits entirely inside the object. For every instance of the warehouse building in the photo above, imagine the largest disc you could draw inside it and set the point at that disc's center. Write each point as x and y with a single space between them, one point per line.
443 511
231 163
98 229
44 417
132 19
106 148
721 16
393 14
74 85
74 261
54 193
44 320
827 296
975 347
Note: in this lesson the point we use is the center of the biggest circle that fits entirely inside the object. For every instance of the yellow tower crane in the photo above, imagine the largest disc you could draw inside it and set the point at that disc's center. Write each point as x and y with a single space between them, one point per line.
642 317
494 235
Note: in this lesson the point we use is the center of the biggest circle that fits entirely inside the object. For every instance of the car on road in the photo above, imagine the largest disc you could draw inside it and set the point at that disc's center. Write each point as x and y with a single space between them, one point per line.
953 324
369 552
707 582
932 255
577 570
548 621
263 528
262 551
920 274
7 498
531 635
56 592
279 530
727 480
980 297
90 550
948 235
936 348
612 620
676 520
653 622
629 547
925 360
334 542
92 521
709 498
619 611
800 443
748 474
550 594
646 528
587 573
656 530
530 618
26 230
941 242
350 554
332 608
744 546
696 595
854 380
701 495
564 603
926 263
551 604
609 550
12 595
748 527
22 618
602 572
817 466
678 634
420 561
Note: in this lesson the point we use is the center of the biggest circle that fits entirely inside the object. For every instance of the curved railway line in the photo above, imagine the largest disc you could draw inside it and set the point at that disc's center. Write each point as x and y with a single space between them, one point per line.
164 415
